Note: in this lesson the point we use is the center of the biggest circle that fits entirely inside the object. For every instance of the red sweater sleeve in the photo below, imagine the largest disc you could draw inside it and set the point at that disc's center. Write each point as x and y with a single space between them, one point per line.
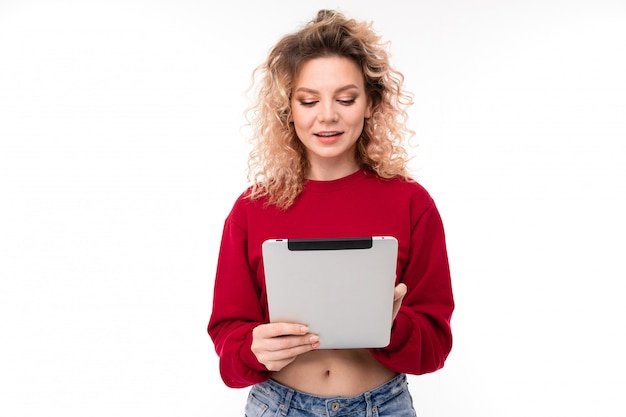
421 337
236 311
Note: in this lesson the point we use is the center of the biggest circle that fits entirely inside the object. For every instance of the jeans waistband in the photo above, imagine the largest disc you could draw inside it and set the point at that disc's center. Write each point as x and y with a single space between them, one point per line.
336 405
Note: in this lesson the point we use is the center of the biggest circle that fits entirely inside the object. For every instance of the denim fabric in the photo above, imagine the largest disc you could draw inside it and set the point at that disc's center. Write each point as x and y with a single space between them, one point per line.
271 399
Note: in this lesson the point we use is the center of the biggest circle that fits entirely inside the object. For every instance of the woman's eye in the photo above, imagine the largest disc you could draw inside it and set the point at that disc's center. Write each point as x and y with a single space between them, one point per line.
311 103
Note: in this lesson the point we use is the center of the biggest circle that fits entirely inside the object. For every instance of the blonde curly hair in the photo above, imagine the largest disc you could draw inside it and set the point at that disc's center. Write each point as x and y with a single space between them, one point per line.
277 164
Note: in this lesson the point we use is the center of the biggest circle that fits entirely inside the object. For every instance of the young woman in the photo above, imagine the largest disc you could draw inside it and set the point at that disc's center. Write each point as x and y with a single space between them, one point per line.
329 161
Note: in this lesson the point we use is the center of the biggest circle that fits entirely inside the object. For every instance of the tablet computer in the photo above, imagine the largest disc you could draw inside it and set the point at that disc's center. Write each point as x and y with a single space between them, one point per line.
341 288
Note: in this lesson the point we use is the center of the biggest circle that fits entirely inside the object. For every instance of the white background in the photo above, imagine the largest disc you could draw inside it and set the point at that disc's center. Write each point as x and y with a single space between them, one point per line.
121 153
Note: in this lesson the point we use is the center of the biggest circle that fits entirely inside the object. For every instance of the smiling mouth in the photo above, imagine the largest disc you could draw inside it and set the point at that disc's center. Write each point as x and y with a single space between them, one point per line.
328 138
327 134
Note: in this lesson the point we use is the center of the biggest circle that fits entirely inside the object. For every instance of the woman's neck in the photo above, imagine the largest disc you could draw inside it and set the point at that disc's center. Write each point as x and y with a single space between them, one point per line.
330 172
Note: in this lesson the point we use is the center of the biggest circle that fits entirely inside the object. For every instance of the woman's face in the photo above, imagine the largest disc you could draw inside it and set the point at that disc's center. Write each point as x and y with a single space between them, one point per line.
328 109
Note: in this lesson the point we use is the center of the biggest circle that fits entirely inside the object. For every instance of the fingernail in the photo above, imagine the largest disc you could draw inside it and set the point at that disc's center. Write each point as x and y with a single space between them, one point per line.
304 329
314 339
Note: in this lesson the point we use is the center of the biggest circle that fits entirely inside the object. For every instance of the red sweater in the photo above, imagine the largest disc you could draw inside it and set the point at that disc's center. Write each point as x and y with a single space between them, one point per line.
358 205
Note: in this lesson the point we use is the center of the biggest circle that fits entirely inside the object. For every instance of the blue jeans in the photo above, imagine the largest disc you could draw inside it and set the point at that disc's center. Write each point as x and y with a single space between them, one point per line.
271 399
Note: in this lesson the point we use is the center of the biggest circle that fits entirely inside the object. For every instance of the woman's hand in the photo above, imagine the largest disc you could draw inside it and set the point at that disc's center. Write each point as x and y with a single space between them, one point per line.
276 345
398 295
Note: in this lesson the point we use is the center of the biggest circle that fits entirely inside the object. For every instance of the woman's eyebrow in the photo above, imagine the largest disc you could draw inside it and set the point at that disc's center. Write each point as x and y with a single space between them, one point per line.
339 90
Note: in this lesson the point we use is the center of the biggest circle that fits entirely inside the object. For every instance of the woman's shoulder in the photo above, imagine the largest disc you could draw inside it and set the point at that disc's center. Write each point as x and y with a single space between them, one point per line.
246 202
239 213
407 186
244 199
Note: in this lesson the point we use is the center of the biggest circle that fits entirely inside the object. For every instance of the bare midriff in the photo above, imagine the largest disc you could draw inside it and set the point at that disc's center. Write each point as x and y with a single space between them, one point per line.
343 372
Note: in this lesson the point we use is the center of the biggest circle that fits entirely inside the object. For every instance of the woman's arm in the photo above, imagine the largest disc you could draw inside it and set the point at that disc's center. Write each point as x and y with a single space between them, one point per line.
421 336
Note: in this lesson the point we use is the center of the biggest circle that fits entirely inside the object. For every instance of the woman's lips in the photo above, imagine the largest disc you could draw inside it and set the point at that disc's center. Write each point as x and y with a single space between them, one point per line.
328 137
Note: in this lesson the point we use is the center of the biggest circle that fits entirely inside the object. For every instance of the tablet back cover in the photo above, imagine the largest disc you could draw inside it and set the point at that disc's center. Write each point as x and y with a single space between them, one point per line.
341 288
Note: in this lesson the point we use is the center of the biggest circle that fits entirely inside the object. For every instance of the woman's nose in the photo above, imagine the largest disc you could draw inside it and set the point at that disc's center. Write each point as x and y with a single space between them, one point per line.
327 113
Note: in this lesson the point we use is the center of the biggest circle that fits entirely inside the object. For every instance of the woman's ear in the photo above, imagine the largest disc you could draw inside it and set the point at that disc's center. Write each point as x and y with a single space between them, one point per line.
289 118
368 109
